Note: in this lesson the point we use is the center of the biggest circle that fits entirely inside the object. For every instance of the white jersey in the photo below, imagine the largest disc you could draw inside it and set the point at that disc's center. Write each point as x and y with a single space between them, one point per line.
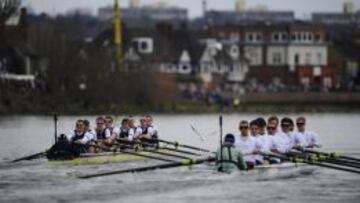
247 145
311 138
258 145
267 143
298 140
84 140
119 133
278 143
152 131
287 143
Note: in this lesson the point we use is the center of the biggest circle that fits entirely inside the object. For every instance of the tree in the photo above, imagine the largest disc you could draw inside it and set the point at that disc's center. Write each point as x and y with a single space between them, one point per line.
8 8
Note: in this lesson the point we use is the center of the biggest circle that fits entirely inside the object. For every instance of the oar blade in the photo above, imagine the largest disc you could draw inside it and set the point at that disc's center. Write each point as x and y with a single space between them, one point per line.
29 157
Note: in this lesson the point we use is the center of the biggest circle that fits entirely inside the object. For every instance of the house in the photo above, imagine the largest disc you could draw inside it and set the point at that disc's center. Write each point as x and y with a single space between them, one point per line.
18 61
276 52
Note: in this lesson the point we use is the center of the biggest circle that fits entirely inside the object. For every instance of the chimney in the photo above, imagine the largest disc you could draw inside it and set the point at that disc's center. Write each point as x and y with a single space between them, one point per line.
240 5
204 5
134 3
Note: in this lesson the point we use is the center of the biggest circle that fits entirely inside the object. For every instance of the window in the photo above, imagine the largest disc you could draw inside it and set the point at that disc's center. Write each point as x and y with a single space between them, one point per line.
258 37
298 37
310 37
304 36
276 37
185 67
284 37
144 45
234 36
276 58
319 58
296 59
293 37
250 37
317 37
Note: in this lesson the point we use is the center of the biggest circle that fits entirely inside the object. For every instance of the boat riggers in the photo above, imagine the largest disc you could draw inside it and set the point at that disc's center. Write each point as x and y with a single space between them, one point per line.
176 144
312 160
333 155
157 146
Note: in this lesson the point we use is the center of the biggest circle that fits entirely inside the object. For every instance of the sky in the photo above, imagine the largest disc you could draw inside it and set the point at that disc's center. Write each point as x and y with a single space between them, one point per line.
302 8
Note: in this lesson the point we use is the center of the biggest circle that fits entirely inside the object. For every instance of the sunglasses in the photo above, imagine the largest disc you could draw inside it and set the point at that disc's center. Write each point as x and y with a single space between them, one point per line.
299 124
243 127
285 125
100 123
271 128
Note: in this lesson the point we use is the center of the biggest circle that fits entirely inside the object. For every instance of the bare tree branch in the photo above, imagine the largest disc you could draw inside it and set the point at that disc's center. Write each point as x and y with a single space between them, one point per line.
8 8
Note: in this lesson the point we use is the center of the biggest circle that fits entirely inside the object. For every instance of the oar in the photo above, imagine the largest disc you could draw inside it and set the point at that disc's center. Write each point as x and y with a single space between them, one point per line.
30 157
134 153
149 150
159 147
315 163
176 144
326 159
333 155
179 150
147 168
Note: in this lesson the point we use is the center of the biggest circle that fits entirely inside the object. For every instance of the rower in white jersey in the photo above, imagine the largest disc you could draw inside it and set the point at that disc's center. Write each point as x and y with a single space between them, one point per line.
307 138
124 132
275 121
266 140
286 135
152 129
109 125
146 132
79 138
255 133
275 143
246 144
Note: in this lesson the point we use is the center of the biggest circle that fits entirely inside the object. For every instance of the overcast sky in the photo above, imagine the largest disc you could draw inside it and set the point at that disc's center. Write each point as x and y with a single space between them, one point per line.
302 8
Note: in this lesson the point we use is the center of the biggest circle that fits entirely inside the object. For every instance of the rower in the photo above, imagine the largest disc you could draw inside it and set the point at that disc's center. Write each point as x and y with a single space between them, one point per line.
255 133
124 132
261 123
87 126
274 144
310 139
145 132
265 140
152 129
109 124
79 138
285 134
228 158
246 144
274 120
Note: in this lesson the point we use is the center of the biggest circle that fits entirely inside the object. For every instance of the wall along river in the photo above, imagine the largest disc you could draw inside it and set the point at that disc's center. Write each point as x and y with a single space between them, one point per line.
38 181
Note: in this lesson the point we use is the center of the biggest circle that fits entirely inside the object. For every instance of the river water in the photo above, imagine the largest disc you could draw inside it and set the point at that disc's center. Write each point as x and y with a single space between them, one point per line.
38 181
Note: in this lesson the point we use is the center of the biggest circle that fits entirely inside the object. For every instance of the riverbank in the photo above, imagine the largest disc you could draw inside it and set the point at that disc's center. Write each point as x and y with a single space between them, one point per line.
254 102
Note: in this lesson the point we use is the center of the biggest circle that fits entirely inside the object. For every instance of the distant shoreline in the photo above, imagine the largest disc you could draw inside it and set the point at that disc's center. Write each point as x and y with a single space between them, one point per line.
247 103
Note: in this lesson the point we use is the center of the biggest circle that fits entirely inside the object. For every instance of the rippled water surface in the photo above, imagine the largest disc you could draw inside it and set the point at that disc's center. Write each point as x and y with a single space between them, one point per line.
39 181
